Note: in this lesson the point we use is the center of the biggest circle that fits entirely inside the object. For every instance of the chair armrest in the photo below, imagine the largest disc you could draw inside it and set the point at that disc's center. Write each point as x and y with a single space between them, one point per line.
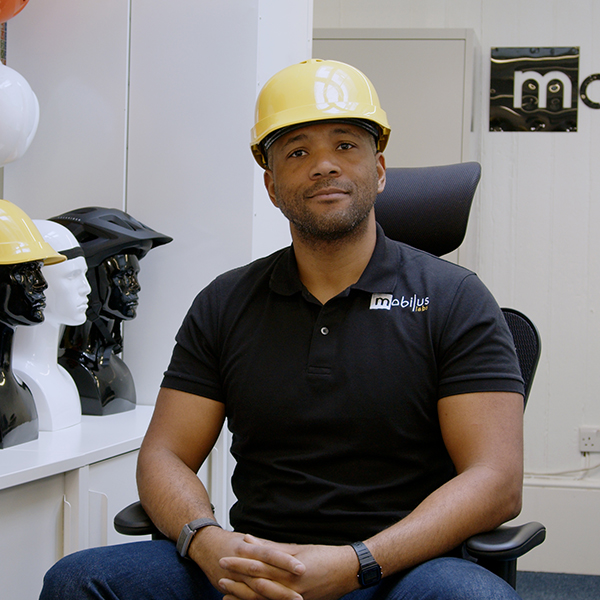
133 520
506 542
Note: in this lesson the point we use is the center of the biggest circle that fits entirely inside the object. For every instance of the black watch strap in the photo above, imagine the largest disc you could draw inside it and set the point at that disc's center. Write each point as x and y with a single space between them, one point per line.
369 572
189 531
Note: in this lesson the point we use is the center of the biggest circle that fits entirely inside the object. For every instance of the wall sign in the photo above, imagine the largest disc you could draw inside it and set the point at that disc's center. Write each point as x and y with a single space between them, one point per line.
536 89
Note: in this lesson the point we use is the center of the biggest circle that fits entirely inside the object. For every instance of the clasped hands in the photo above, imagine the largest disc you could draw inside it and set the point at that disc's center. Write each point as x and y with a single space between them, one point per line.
250 568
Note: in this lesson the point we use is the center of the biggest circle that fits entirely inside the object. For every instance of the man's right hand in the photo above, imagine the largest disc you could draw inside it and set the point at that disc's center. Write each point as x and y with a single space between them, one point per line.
274 569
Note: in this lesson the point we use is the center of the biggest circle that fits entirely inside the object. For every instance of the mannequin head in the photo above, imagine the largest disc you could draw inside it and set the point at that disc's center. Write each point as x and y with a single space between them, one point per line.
22 288
23 251
123 286
113 243
68 287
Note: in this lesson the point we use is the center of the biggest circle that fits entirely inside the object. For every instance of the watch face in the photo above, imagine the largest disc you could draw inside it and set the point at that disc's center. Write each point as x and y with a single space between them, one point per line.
370 575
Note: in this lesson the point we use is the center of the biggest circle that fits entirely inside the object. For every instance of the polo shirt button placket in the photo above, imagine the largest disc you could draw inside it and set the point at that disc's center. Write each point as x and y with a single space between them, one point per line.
323 348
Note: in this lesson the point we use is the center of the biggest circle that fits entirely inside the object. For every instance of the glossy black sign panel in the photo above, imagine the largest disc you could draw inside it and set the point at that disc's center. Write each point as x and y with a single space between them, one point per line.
534 89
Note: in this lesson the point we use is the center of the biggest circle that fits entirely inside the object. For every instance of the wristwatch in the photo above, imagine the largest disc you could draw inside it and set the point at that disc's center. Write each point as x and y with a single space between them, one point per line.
369 572
189 531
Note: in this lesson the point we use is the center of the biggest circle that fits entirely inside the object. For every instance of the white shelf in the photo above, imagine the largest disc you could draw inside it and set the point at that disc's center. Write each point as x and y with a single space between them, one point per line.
93 440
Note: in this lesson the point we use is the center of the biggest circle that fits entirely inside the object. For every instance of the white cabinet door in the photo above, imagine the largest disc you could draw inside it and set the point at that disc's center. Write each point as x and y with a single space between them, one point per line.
111 487
31 524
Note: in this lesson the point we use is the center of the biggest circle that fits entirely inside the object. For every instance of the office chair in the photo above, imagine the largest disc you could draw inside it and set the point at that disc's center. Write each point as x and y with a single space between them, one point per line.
428 208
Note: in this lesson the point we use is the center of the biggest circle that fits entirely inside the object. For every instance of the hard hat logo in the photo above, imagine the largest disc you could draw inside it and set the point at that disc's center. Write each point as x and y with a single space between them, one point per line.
316 90
331 91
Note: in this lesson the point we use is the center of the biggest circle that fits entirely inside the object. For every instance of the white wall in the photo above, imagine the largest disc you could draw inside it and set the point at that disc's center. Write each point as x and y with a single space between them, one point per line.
535 241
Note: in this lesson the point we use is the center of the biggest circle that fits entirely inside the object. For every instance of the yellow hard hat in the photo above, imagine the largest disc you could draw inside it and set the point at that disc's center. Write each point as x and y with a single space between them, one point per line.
20 240
316 90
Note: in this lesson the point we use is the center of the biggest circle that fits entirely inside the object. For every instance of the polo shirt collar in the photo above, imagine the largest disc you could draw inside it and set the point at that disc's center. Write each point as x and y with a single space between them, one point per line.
381 273
379 276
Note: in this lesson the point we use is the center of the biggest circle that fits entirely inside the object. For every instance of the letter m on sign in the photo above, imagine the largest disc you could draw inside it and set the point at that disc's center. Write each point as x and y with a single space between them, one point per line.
542 81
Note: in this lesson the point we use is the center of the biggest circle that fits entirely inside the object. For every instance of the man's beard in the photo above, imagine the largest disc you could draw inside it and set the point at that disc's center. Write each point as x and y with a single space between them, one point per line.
336 225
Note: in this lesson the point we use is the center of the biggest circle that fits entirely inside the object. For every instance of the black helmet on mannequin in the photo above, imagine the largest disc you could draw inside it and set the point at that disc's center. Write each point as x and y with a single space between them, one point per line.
104 232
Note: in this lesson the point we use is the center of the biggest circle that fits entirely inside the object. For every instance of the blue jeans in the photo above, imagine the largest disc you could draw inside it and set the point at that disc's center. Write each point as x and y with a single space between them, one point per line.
154 571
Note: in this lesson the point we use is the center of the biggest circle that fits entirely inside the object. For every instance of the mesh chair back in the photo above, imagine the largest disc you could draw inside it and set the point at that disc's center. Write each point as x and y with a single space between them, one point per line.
428 207
527 344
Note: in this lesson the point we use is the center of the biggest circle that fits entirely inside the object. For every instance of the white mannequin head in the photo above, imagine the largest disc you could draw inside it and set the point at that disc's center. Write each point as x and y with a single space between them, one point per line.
68 287
35 348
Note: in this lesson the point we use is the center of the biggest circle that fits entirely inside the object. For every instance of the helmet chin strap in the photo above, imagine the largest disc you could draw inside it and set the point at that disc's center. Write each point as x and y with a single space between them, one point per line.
96 300
113 338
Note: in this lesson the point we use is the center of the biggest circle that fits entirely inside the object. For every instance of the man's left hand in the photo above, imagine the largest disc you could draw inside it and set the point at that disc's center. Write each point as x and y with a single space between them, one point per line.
330 572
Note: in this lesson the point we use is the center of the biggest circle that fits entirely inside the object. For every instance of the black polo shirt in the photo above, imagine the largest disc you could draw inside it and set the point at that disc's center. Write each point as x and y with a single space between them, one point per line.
333 408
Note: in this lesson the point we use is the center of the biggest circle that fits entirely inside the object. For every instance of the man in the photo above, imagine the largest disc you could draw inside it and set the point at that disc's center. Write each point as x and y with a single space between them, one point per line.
368 443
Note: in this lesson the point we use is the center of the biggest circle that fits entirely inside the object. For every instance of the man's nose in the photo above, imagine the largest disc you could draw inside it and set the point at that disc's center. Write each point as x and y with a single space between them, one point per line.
324 165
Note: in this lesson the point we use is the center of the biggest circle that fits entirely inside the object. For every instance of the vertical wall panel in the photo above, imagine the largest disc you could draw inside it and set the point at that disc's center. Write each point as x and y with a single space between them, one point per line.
190 173
284 38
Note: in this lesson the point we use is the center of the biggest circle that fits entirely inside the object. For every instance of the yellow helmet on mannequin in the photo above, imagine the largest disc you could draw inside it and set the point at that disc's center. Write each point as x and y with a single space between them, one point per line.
316 90
20 240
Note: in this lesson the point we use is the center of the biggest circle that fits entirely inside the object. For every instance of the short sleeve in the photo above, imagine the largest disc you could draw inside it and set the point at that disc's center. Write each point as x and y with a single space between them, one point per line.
194 365
477 351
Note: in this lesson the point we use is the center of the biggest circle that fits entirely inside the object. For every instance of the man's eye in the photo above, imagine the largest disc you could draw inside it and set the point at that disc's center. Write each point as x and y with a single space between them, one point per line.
346 146
297 153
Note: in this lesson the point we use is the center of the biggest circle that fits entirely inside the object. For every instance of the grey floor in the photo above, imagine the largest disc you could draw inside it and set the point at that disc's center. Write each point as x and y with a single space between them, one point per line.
557 586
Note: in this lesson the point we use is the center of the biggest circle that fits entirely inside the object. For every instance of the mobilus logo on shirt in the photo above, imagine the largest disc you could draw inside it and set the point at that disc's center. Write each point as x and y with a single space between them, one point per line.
386 301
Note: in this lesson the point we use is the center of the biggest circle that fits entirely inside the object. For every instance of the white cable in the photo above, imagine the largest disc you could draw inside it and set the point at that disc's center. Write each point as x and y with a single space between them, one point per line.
570 472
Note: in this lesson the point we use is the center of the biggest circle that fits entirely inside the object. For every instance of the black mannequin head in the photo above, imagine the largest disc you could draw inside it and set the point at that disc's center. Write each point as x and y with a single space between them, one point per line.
121 271
22 299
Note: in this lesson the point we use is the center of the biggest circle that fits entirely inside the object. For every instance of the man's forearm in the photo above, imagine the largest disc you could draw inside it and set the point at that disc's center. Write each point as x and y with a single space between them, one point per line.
173 495
477 500
181 436
170 492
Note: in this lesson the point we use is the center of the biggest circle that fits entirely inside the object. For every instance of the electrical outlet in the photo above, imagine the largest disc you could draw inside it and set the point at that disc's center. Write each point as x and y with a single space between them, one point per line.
589 439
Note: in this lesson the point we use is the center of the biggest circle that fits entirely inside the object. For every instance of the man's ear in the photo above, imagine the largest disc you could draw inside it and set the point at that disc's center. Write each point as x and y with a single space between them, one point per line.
270 185
380 172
